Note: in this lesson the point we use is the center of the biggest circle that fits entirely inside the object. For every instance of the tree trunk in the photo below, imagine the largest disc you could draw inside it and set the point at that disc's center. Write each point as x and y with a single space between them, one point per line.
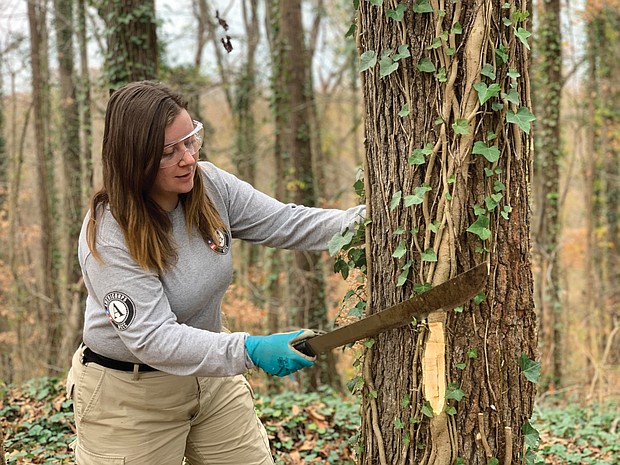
132 50
547 229
610 22
307 279
86 125
47 314
72 211
447 176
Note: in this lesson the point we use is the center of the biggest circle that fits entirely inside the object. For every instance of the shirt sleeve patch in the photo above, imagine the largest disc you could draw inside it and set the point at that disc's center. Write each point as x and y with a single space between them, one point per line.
120 309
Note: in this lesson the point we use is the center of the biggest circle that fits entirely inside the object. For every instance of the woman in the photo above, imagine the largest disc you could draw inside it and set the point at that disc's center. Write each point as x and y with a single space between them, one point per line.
155 379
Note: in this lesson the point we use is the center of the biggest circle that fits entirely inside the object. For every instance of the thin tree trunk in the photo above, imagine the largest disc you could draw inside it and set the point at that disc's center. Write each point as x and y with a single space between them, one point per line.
307 279
547 229
47 314
85 103
72 211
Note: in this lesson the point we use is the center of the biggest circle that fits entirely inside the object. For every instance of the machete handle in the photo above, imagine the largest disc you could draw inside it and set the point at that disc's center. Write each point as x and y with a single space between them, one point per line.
304 348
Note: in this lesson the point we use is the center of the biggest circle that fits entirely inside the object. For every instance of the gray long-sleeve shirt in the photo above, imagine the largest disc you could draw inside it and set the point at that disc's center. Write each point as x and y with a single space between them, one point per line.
172 321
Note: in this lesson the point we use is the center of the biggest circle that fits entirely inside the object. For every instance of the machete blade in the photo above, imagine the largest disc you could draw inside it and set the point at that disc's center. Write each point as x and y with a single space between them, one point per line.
447 295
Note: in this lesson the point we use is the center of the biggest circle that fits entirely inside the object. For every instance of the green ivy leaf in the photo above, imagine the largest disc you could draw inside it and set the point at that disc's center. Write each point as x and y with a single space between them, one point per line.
522 118
429 255
418 196
490 153
426 66
436 43
339 241
502 54
513 73
455 393
461 366
422 6
418 156
487 70
461 126
396 197
398 423
506 211
530 368
479 298
402 278
398 13
342 267
376 2
488 172
513 97
493 461
486 93
451 410
427 410
387 66
531 435
492 201
472 353
441 75
368 60
523 35
403 52
404 111
421 288
401 250
456 28
481 228
498 186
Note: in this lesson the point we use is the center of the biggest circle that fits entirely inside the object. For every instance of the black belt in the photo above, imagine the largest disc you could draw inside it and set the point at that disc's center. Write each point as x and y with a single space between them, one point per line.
90 356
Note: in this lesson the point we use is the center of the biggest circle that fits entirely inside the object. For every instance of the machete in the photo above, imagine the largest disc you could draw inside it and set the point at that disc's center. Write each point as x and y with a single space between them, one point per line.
446 295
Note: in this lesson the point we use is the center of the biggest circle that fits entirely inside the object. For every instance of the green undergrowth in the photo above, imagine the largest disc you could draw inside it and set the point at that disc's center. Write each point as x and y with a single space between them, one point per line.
304 428
575 433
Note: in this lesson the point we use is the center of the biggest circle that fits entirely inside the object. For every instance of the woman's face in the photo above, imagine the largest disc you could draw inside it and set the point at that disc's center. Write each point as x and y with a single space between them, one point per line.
176 171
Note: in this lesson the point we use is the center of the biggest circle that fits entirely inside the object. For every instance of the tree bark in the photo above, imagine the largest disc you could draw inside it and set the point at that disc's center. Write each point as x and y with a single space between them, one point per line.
307 279
547 229
44 294
72 211
132 50
436 209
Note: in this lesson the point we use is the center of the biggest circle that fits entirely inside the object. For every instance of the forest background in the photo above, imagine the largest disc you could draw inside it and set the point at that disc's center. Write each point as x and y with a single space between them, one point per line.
223 55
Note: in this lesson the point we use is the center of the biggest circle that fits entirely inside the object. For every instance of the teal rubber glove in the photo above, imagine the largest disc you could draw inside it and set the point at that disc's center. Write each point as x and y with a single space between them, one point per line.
275 354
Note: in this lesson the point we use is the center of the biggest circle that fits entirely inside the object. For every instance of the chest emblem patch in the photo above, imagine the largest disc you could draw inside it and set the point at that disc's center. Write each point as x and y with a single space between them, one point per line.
221 244
120 309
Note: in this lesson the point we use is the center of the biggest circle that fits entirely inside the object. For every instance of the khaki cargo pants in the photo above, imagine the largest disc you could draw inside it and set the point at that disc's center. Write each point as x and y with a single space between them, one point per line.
157 419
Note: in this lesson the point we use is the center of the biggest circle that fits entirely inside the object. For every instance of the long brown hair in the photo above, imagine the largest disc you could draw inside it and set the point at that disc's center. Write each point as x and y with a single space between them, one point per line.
133 140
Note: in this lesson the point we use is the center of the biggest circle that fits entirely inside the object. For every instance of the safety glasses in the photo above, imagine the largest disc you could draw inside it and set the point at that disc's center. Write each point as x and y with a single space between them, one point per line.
175 151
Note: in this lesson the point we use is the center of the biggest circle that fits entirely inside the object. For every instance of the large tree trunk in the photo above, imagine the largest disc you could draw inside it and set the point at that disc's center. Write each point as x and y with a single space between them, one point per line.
132 51
436 209
548 155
